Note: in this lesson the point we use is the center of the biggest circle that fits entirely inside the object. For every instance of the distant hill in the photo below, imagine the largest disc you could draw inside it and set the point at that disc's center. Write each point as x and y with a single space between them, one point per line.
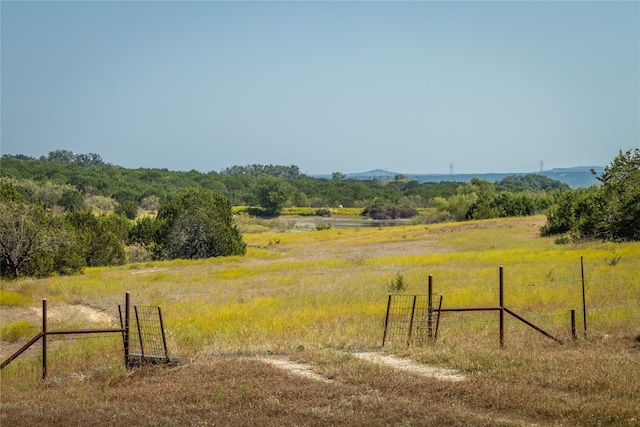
575 177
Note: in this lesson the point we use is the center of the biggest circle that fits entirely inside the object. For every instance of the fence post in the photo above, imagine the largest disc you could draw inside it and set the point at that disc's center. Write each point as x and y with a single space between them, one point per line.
430 310
164 339
413 310
573 325
386 321
44 339
135 309
501 307
435 336
584 303
127 313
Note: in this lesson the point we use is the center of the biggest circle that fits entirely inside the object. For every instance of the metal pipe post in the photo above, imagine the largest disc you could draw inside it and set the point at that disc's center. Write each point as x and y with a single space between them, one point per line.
501 306
164 339
413 310
430 309
584 303
44 339
386 321
127 314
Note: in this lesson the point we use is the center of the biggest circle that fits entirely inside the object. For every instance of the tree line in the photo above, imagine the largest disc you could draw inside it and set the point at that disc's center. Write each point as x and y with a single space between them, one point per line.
64 212
61 179
36 240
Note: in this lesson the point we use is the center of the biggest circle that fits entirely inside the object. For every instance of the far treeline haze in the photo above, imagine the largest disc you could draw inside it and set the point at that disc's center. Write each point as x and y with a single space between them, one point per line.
65 211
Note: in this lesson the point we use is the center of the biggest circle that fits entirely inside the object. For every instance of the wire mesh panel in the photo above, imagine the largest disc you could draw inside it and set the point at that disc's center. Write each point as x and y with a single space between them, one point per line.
146 336
407 320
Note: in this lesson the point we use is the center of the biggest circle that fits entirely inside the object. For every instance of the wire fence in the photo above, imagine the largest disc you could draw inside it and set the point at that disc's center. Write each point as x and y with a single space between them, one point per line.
522 312
141 339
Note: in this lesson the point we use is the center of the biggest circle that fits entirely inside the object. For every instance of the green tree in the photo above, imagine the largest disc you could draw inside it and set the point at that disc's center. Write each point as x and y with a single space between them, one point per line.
72 200
9 193
63 156
338 176
128 208
27 233
100 240
272 193
621 191
610 211
197 224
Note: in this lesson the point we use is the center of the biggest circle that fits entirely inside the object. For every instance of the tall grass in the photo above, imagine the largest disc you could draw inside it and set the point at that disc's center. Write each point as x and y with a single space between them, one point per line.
328 289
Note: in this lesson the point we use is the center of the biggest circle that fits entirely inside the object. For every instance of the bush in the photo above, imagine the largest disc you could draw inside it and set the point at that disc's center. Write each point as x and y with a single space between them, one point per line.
18 330
323 225
608 212
14 299
197 224
389 212
398 284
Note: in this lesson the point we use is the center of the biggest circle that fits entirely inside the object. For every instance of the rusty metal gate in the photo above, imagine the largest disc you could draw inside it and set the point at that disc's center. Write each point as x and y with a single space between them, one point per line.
408 320
147 340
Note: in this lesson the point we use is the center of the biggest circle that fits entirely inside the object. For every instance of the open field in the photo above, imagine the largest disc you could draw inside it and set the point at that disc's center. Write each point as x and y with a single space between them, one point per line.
291 334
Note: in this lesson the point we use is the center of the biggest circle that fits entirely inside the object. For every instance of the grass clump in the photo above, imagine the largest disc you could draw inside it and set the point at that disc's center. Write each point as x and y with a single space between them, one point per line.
14 299
18 331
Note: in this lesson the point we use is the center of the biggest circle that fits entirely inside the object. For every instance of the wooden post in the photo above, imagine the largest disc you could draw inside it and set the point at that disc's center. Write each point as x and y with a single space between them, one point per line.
573 325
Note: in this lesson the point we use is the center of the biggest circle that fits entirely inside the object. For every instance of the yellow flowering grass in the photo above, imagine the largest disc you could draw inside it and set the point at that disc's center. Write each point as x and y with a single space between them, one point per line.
328 289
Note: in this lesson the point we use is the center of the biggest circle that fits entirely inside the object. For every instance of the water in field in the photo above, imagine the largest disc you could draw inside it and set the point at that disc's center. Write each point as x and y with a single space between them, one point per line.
316 222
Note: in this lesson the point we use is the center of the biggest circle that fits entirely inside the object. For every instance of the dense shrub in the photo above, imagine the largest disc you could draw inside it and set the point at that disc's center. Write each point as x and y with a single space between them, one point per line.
196 224
610 211
389 212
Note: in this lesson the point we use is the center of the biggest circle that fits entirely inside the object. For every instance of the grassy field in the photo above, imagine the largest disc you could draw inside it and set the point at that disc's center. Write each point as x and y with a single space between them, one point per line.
317 297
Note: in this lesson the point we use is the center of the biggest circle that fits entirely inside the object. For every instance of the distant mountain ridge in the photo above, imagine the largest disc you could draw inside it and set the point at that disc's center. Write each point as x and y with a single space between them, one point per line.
574 177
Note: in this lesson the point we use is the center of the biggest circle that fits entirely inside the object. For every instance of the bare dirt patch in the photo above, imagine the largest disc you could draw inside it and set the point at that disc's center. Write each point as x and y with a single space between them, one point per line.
296 368
73 314
412 367
306 370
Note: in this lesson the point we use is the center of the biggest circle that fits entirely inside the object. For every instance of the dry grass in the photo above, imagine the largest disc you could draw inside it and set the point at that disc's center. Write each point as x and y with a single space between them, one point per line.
319 297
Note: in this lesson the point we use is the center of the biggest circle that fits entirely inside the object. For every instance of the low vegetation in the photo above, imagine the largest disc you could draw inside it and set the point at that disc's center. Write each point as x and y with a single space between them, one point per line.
316 297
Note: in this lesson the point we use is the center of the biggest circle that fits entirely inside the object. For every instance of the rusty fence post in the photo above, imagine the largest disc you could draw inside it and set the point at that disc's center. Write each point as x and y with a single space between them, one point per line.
164 338
44 339
135 309
584 301
501 307
413 310
435 336
430 310
127 314
386 321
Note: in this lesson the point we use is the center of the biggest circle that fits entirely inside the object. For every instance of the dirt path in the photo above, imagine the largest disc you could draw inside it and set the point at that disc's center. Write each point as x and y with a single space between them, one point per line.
411 366
76 314
306 370
299 369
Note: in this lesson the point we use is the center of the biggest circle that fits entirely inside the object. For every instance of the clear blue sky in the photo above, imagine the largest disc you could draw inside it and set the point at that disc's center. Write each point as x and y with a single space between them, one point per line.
328 86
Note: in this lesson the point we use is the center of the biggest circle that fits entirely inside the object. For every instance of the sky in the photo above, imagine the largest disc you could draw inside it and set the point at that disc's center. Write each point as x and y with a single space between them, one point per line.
410 87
